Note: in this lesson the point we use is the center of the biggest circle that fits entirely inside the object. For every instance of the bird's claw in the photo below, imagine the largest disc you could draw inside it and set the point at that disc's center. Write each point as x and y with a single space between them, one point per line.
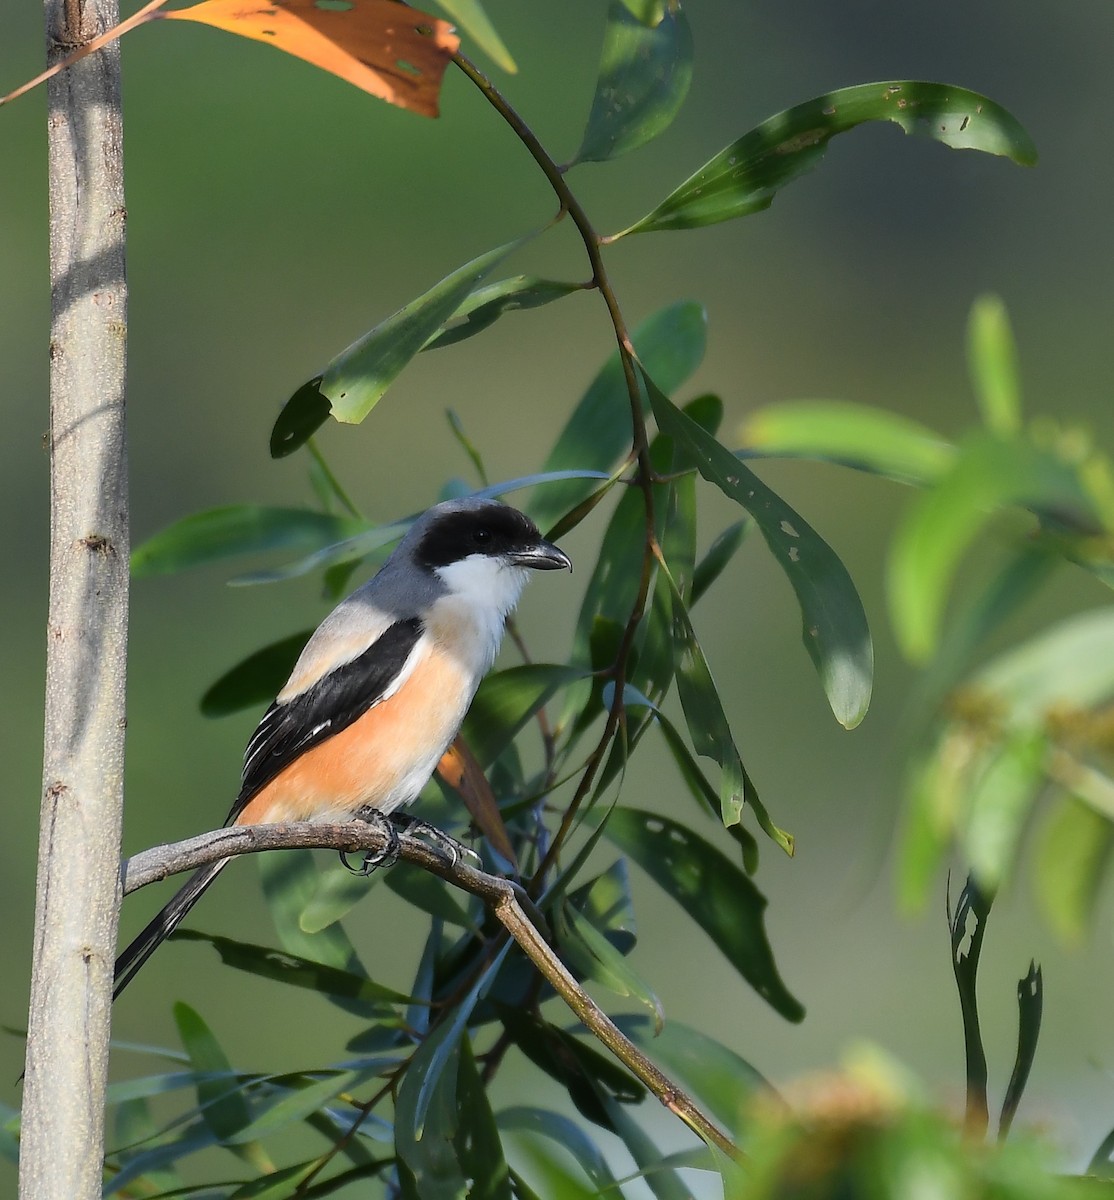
374 859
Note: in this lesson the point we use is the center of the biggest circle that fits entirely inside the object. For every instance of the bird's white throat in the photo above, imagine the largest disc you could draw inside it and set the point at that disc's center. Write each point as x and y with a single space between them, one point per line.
484 590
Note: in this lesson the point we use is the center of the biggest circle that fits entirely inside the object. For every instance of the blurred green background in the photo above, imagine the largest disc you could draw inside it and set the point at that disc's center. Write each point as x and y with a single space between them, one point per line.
275 214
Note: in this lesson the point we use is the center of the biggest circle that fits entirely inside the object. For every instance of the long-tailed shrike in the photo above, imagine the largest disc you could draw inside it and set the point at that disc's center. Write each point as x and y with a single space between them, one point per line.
382 686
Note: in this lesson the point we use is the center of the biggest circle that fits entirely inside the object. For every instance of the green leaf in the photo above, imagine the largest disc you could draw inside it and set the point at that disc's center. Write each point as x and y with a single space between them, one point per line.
649 12
224 1111
745 176
595 957
712 891
564 1132
338 891
296 971
989 473
348 552
671 345
305 1096
290 881
664 1182
427 1117
719 554
709 728
355 381
992 358
718 1077
644 76
999 805
218 533
479 1148
256 679
429 894
507 700
1068 666
301 417
485 305
852 435
1074 850
472 19
607 903
276 1184
834 626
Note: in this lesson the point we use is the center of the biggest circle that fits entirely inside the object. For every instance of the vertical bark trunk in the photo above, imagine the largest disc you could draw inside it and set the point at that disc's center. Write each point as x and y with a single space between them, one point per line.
79 847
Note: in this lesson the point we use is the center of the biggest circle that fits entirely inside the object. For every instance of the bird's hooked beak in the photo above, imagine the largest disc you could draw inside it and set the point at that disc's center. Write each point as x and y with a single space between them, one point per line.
542 556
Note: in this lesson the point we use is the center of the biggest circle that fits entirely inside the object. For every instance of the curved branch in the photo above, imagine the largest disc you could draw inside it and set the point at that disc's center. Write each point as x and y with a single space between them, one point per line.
506 899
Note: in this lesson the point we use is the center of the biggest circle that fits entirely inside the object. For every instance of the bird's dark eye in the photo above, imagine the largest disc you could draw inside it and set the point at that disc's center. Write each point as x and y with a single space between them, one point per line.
481 537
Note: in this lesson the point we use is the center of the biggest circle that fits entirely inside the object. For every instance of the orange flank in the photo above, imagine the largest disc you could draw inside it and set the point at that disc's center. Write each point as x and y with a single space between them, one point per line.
371 763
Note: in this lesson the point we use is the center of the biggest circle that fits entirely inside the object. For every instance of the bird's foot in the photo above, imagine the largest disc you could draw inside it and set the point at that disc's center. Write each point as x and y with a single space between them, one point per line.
449 846
374 859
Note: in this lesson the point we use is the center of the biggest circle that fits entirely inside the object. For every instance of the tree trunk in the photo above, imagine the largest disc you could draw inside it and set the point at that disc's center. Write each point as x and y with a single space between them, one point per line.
79 848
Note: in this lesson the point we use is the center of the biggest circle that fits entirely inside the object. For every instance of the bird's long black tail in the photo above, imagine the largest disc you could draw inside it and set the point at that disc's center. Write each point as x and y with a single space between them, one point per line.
164 924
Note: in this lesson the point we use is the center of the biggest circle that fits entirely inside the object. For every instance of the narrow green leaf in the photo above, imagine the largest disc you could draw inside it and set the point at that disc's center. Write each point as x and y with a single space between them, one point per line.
355 381
717 1076
290 881
999 804
474 21
595 957
1074 850
712 891
562 1132
467 445
338 891
853 435
183 1142
301 417
1030 1005
649 12
349 552
671 345
644 76
607 903
485 305
304 1097
218 533
745 176
429 894
256 679
276 1184
663 1181
719 554
989 473
296 971
427 1117
709 728
834 626
125 1091
992 359
479 1148
225 1112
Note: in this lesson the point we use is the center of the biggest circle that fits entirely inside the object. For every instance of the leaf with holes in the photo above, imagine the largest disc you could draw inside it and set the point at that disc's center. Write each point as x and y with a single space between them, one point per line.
398 55
644 76
712 891
834 626
745 177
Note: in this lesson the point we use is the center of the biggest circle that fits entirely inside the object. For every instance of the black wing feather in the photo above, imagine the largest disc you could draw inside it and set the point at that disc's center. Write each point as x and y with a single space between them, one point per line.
333 703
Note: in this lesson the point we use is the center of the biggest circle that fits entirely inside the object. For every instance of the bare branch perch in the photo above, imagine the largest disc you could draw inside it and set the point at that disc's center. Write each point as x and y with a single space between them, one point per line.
507 900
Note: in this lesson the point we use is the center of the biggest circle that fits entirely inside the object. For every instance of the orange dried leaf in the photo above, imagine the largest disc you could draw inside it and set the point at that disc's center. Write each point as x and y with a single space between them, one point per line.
461 770
390 50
